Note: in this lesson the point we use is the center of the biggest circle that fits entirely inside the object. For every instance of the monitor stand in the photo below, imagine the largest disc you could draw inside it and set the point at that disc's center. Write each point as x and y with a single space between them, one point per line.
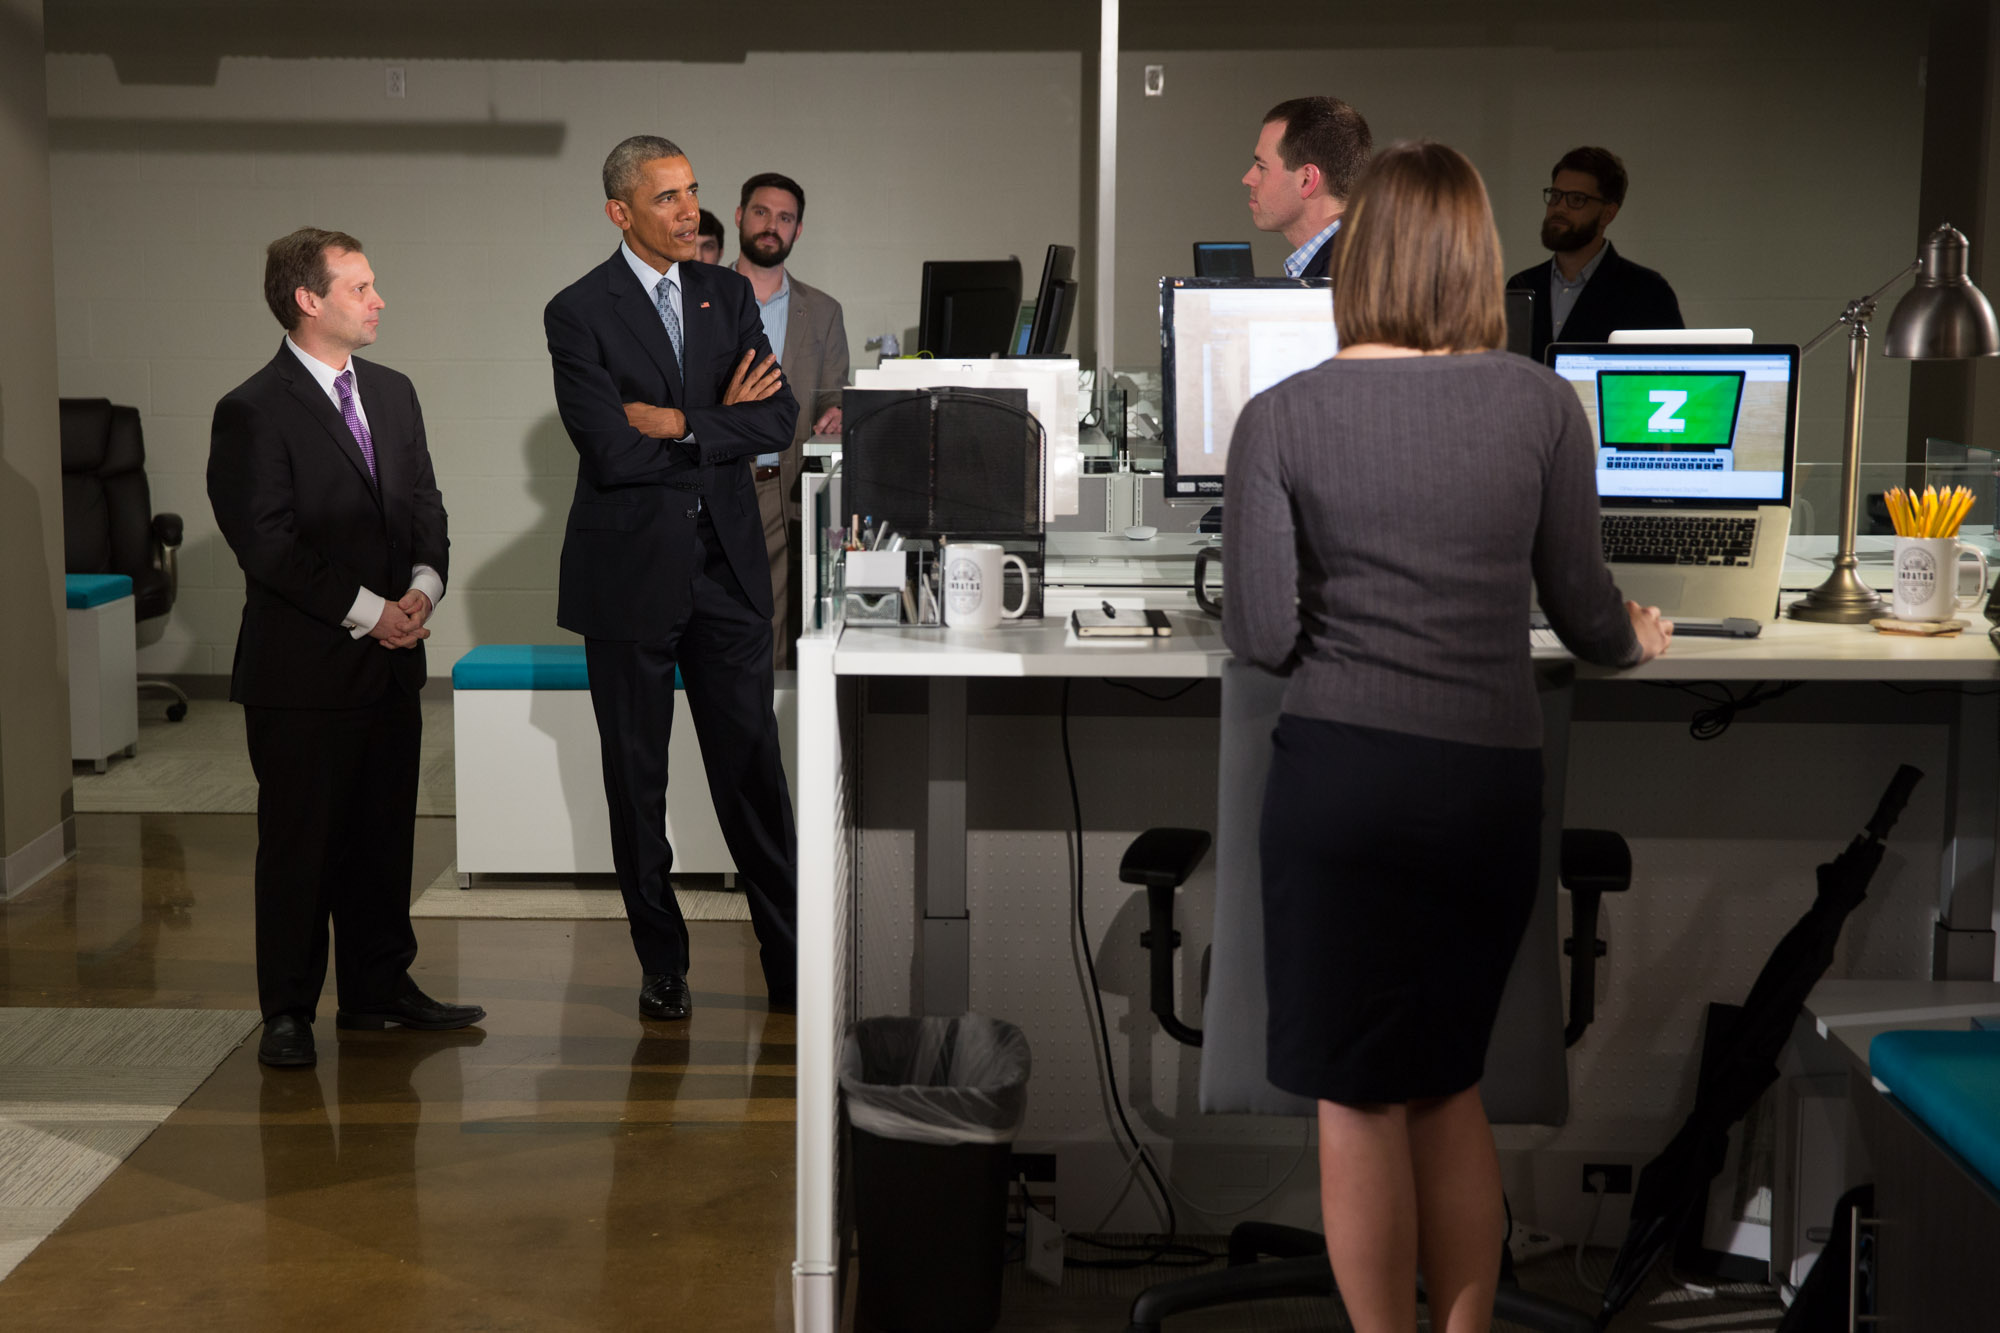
1211 521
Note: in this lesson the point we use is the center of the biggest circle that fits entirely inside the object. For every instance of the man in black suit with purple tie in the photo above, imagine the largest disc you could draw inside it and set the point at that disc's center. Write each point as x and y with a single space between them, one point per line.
669 389
321 482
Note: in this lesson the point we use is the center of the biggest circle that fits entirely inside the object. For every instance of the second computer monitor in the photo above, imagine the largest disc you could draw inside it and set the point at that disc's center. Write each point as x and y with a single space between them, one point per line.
1222 341
1055 305
1223 259
969 306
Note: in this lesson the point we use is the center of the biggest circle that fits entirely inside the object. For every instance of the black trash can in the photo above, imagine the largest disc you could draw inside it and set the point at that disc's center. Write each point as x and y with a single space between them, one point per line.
933 1105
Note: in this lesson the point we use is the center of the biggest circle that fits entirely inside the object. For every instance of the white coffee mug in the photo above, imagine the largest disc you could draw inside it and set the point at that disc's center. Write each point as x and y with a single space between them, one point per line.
1927 578
974 585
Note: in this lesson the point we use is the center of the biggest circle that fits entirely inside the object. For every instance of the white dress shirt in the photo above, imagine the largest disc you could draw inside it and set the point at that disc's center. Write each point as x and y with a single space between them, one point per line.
368 606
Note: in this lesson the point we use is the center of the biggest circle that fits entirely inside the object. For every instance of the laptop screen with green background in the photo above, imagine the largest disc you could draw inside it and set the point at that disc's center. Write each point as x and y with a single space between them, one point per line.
1667 410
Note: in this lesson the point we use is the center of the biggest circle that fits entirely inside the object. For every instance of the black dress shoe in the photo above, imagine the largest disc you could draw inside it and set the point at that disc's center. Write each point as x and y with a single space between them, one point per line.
412 1009
287 1043
664 996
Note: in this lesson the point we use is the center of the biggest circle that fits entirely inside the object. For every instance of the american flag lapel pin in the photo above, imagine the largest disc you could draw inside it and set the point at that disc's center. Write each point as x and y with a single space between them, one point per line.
704 305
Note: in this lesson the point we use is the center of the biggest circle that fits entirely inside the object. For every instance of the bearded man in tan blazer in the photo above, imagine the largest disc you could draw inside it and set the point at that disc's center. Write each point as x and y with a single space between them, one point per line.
804 324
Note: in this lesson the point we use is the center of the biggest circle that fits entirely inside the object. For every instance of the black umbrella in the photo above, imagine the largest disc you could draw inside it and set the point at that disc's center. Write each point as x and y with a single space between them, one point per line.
1746 1062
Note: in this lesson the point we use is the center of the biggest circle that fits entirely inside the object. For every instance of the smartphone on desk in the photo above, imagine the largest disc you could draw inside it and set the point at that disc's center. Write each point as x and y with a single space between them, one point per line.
1729 627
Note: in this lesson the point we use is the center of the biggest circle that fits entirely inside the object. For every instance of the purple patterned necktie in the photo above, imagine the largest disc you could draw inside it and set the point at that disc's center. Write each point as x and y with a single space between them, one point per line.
351 414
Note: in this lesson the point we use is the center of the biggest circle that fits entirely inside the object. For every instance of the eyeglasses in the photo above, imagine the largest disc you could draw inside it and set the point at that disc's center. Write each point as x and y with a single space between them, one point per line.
1574 198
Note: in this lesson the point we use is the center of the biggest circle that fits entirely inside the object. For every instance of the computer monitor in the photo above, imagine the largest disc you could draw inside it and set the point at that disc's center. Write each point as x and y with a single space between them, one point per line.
1520 307
969 306
1024 328
1223 259
1223 340
1055 305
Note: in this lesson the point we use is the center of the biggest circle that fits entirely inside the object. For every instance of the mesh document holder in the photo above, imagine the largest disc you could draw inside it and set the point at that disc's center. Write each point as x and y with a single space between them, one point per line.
948 464
944 463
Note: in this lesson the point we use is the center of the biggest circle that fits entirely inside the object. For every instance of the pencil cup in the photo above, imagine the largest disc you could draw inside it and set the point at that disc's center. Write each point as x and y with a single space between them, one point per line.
1929 574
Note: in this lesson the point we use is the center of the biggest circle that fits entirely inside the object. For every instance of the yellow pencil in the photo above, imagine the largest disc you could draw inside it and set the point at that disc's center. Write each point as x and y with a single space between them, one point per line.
1961 504
1899 510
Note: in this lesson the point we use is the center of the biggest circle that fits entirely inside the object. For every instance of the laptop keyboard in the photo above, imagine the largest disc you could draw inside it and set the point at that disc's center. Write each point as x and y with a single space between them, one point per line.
1677 539
1660 463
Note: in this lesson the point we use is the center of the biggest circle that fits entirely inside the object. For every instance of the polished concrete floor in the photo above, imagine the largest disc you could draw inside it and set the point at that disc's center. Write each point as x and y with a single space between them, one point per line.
563 1166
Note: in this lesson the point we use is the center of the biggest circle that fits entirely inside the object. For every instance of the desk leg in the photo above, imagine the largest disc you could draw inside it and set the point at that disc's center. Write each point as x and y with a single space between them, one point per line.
825 833
1962 946
947 938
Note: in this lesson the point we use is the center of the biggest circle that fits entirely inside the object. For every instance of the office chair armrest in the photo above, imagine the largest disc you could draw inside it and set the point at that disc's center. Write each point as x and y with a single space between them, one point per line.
167 533
1162 859
1594 862
1163 856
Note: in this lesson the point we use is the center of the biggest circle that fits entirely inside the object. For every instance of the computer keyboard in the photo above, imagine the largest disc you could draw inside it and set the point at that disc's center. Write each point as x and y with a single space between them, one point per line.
1663 463
1677 539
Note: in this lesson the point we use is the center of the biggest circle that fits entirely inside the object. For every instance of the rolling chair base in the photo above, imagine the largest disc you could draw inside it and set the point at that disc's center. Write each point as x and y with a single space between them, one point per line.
175 710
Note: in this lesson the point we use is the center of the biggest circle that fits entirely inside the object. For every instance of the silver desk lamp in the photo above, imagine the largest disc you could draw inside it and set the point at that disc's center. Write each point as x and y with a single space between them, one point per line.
1943 318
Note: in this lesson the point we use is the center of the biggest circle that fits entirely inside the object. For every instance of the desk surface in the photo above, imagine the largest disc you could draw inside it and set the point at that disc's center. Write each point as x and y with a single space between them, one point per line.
1850 1013
1787 650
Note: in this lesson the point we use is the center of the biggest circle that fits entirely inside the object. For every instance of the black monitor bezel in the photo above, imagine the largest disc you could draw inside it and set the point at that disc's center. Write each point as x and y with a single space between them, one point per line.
1233 247
1055 303
1210 484
934 289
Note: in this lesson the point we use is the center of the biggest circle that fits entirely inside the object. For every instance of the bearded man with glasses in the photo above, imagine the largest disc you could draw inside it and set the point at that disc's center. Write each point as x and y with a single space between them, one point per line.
1588 289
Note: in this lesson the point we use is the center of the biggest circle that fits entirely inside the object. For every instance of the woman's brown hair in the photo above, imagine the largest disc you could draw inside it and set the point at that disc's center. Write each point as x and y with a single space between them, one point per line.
1417 260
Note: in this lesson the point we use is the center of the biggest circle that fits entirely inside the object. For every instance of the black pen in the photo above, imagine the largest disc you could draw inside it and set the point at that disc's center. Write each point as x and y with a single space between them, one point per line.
1110 613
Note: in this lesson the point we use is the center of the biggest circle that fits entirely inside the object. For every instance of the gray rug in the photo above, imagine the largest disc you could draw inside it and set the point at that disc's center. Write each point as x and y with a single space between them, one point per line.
200 766
79 1090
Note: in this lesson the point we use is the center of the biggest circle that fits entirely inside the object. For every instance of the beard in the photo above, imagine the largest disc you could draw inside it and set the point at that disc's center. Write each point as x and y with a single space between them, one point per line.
765 249
1566 239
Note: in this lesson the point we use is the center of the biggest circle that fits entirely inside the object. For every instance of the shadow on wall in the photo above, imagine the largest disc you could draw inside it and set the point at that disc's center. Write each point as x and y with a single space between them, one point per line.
530 561
480 138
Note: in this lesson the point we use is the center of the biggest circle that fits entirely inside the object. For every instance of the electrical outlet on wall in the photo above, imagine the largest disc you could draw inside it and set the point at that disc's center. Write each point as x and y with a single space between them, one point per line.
395 85
1156 80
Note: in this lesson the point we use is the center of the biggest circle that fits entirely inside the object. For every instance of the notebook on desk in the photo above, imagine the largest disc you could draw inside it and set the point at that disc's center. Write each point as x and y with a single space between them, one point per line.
1695 446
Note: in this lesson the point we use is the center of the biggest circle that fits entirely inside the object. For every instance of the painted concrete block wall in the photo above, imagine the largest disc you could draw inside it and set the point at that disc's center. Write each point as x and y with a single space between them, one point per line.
477 198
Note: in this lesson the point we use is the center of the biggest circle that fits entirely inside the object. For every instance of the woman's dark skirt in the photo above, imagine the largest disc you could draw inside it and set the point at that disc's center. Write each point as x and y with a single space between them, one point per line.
1399 873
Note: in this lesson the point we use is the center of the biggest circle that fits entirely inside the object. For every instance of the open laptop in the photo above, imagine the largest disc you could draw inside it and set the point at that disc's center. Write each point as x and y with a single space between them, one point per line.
1695 445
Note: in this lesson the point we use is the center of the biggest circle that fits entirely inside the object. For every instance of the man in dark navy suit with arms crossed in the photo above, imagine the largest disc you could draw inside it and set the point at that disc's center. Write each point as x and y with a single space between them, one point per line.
668 389
321 482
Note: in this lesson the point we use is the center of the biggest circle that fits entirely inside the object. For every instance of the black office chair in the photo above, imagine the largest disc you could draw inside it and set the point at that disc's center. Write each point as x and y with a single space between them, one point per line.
1527 1077
109 526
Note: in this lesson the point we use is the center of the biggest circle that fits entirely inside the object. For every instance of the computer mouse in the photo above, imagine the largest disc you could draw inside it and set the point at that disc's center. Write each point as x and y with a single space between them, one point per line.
1141 532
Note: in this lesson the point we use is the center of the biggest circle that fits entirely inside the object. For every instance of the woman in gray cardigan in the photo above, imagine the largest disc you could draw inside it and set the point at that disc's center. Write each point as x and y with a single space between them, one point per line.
1390 513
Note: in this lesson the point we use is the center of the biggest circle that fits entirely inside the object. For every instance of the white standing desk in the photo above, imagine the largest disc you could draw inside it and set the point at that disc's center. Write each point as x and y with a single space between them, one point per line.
832 662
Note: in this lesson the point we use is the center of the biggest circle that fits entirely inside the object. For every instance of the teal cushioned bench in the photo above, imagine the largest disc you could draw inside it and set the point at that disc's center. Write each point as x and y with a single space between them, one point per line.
1951 1082
522 666
82 591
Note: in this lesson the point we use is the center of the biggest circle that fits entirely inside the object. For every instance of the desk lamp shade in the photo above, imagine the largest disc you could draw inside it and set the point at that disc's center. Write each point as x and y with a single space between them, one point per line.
1943 317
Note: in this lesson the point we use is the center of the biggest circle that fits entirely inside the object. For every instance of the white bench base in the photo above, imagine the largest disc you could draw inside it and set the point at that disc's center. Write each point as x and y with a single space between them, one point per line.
530 780
103 682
